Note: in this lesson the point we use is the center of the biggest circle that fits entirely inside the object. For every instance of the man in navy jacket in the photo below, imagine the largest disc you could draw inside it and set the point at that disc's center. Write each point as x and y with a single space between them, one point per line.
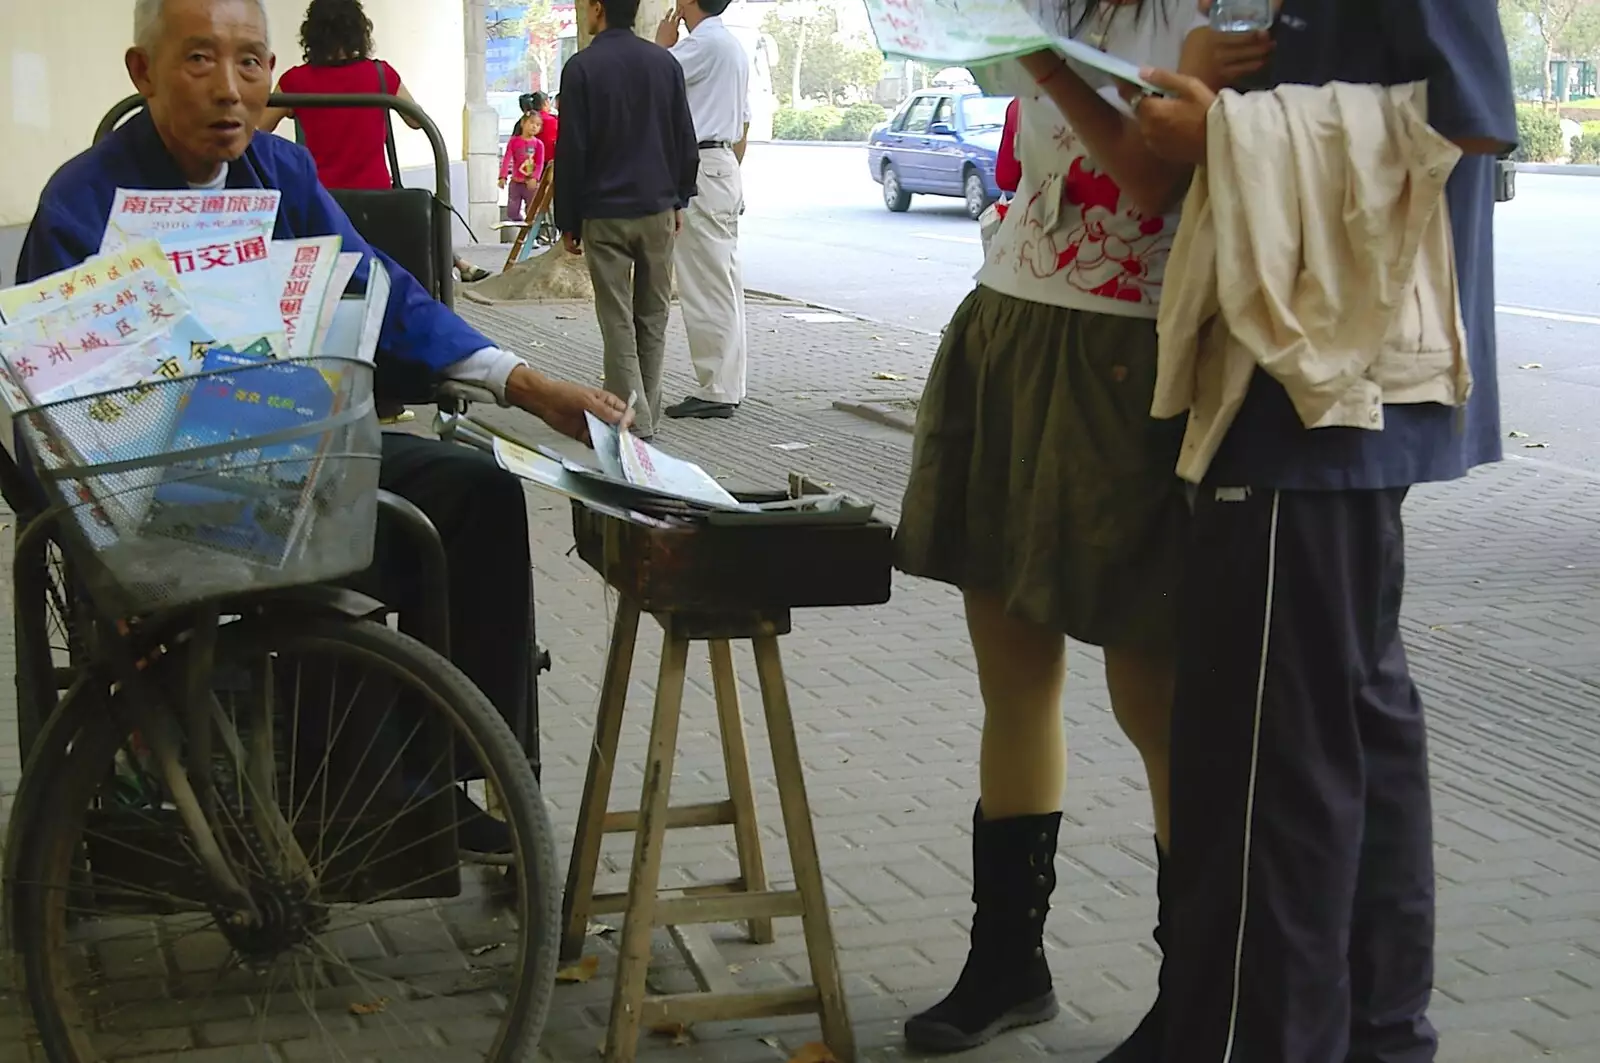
205 70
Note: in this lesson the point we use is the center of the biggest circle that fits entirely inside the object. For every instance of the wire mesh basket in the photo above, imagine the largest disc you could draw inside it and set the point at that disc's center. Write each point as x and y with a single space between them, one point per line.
182 490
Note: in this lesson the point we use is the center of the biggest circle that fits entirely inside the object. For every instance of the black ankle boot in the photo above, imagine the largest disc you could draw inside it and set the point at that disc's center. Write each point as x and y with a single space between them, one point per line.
1006 981
1144 1045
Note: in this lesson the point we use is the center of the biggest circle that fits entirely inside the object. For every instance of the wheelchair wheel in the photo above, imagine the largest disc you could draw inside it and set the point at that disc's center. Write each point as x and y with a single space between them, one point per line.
62 620
339 744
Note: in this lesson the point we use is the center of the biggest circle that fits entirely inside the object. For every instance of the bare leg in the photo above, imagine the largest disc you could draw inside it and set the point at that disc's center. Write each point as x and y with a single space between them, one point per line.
1022 768
1022 669
1141 685
1141 697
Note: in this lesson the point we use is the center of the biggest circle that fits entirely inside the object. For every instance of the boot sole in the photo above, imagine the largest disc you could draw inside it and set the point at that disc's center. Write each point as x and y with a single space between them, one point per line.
941 1038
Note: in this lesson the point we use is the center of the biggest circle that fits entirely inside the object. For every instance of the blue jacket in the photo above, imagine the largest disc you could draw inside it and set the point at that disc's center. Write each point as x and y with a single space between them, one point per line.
76 202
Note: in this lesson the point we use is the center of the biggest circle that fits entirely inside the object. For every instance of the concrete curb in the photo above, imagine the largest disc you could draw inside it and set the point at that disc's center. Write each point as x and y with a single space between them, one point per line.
812 143
878 413
1559 169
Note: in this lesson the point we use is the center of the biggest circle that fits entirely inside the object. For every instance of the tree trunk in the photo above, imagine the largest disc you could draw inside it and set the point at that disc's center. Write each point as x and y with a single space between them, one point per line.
799 53
1549 54
555 275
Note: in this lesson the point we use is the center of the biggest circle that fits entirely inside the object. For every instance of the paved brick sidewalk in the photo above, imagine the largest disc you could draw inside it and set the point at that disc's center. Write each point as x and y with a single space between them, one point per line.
1504 623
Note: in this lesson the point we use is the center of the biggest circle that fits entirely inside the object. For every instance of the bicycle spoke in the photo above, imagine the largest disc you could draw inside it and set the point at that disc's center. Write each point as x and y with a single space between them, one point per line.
366 987
340 847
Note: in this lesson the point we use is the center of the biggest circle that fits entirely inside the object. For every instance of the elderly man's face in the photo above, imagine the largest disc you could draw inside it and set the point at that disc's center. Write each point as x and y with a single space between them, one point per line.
207 80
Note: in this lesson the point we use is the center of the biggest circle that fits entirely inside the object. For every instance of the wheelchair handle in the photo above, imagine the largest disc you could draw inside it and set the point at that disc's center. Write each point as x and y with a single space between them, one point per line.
445 252
293 101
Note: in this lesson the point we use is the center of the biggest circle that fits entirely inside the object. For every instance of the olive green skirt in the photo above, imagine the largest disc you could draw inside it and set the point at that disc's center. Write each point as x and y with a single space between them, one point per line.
1039 475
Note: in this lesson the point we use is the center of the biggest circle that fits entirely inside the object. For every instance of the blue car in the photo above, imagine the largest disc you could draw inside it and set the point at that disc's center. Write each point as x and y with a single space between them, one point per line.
941 142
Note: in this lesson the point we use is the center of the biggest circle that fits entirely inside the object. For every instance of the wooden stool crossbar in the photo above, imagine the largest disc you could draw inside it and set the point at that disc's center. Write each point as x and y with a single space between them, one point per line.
654 571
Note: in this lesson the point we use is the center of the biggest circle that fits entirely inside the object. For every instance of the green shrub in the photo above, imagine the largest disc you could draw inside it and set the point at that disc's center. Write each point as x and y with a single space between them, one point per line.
1539 134
857 122
811 124
1586 147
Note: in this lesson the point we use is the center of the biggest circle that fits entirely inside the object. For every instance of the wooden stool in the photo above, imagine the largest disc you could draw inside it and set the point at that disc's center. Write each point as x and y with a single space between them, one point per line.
712 585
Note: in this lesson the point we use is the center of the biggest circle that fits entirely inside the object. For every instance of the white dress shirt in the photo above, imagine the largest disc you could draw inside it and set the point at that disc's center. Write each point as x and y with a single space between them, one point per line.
717 73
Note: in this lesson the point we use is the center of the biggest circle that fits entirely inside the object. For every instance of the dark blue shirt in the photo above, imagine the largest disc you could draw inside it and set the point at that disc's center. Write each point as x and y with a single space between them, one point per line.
1458 48
76 202
626 145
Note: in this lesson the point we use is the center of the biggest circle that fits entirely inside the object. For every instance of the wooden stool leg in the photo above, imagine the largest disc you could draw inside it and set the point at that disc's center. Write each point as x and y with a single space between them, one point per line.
736 758
836 1031
578 899
633 960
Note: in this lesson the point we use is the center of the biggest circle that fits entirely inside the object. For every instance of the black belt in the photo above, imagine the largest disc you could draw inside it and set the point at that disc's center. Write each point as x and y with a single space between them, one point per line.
713 144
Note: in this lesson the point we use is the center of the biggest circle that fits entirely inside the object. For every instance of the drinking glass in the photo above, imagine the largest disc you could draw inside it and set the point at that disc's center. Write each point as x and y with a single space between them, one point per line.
1241 16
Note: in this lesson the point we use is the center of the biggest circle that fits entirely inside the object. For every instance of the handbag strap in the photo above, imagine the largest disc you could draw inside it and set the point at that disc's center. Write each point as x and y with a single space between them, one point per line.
388 127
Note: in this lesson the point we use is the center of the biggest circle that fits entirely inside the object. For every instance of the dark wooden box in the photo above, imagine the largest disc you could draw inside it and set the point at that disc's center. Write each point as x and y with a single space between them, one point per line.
707 569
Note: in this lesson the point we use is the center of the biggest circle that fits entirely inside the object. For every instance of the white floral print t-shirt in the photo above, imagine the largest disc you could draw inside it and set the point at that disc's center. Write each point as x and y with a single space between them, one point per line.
1070 237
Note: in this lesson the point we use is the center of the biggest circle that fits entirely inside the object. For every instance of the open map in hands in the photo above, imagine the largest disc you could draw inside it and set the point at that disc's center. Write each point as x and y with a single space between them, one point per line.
975 32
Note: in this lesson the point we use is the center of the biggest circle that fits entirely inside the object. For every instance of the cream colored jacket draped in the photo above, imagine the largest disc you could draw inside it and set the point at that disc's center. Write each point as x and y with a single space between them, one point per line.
1315 244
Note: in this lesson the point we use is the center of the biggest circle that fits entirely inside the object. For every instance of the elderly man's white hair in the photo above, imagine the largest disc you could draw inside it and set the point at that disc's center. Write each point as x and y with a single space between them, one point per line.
147 16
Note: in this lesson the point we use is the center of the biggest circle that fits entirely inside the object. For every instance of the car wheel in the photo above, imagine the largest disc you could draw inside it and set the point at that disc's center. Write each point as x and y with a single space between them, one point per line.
976 195
895 197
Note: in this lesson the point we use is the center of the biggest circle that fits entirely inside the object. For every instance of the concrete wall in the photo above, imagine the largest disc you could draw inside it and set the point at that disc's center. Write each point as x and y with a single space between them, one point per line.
56 81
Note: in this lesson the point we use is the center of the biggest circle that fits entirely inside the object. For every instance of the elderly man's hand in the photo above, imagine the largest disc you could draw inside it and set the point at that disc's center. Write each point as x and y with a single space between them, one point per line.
561 404
1175 126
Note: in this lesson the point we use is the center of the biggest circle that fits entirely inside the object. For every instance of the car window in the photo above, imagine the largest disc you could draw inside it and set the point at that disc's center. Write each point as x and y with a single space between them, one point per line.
984 112
919 114
945 113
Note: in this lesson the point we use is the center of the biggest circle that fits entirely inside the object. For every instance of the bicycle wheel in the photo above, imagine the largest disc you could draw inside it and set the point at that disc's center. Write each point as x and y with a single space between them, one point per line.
353 739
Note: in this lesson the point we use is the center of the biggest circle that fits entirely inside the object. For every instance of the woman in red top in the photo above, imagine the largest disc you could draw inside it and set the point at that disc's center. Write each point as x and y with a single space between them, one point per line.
1007 169
347 143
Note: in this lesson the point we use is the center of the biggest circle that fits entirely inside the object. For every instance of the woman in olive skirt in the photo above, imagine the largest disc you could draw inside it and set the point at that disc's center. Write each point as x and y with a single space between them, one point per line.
1043 489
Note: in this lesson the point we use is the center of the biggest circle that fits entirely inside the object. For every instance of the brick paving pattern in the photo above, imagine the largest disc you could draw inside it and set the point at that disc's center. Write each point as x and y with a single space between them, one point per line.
1503 619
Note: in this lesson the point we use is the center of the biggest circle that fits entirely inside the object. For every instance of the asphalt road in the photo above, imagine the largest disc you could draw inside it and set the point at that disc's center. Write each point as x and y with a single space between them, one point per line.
817 230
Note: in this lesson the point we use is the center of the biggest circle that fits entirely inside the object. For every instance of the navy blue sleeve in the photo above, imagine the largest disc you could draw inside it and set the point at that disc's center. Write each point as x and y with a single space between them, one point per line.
57 239
1461 49
572 150
417 327
684 138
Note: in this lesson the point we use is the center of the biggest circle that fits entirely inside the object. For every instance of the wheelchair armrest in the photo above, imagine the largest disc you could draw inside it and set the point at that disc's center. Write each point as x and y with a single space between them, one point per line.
455 396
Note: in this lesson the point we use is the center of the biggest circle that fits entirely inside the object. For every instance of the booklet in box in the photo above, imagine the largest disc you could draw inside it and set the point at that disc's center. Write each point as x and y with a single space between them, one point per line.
252 502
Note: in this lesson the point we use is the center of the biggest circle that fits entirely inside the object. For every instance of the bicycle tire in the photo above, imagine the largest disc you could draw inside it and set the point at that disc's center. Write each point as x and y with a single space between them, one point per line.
77 772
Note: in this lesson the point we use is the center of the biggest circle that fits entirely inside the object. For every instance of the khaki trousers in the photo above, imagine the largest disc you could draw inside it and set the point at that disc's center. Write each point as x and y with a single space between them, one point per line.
710 285
630 263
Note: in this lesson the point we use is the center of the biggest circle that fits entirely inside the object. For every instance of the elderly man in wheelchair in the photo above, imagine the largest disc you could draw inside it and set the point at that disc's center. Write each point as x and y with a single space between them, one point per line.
205 70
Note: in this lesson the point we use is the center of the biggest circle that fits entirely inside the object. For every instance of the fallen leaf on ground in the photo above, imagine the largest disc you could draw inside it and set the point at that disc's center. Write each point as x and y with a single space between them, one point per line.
581 971
678 1031
1519 435
815 1052
482 950
1531 365
369 1007
1536 446
880 375
600 929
